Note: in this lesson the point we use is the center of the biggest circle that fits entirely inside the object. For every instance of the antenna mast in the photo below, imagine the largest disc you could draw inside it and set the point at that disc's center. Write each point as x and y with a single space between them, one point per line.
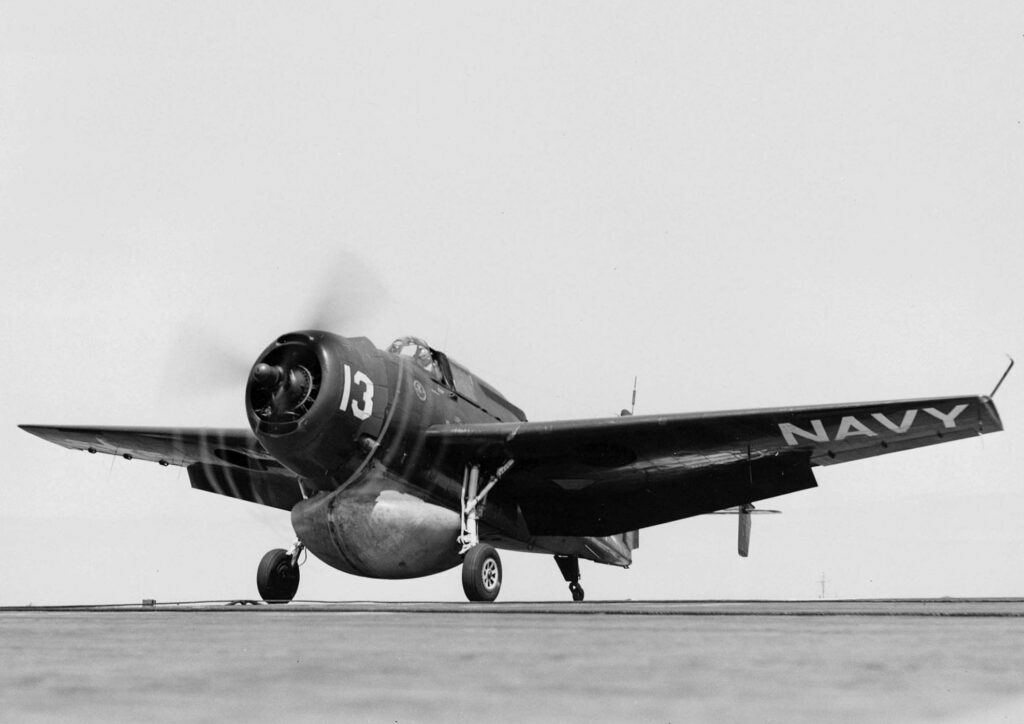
1000 382
632 406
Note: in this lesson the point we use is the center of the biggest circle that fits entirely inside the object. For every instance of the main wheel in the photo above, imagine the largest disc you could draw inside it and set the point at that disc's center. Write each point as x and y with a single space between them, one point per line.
481 573
577 591
276 578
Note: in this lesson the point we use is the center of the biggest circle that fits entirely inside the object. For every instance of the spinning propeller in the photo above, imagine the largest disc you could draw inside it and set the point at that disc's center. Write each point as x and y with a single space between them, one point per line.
347 294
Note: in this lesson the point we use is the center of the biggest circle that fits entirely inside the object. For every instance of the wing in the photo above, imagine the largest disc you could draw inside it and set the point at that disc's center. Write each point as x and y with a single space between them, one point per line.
224 461
610 475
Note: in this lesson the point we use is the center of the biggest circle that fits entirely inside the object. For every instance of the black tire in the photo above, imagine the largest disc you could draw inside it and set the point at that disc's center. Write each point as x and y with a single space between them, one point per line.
481 573
577 591
277 579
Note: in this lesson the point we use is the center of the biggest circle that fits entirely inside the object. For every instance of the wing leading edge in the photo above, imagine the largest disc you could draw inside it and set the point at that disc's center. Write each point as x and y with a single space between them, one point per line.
593 477
228 462
609 475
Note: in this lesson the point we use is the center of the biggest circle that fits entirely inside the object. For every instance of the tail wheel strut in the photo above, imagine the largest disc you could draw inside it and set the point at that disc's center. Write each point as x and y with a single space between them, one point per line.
570 568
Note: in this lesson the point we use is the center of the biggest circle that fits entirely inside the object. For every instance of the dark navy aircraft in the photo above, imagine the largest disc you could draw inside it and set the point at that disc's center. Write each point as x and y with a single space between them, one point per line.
400 463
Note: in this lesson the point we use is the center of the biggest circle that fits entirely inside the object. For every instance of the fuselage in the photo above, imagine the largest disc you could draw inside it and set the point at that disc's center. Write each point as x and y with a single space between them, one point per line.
349 419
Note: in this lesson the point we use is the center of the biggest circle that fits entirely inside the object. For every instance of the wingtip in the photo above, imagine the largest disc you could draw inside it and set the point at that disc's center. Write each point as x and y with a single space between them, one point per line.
990 420
36 430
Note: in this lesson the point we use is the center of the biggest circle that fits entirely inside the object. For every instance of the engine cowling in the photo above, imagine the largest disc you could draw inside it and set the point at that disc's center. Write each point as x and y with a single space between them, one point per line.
314 400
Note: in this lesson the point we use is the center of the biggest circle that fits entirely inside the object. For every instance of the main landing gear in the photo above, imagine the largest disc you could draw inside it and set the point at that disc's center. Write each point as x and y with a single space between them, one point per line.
481 565
277 577
481 573
570 568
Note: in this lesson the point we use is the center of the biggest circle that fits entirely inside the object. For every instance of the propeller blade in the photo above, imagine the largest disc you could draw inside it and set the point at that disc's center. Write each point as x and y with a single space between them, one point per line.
202 360
350 291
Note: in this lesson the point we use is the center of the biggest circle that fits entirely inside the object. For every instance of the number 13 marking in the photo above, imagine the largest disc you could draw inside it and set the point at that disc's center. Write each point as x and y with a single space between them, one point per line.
363 407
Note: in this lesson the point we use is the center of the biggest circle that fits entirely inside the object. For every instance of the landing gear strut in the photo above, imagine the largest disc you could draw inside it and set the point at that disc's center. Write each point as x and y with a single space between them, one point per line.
277 577
570 568
481 565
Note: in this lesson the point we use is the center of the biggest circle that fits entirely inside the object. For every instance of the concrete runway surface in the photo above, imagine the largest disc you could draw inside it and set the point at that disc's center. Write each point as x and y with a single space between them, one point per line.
740 661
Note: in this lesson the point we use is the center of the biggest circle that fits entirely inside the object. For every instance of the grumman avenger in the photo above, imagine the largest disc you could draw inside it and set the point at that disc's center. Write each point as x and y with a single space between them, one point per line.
400 463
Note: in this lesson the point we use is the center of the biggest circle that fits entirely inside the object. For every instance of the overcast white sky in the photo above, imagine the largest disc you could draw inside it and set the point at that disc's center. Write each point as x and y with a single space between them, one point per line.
743 205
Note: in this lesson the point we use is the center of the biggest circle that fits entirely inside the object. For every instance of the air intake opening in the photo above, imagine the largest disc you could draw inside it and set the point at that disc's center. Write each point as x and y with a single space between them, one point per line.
285 384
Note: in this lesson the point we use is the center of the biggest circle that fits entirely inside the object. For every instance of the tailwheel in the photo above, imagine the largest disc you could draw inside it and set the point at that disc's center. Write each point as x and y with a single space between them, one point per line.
277 578
570 568
481 573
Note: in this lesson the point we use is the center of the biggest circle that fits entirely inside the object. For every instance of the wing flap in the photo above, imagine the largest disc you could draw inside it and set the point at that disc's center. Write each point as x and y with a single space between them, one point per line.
275 491
549 508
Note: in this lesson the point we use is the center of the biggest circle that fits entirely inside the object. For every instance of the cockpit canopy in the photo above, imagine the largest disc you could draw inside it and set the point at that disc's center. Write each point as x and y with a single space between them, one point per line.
417 350
456 377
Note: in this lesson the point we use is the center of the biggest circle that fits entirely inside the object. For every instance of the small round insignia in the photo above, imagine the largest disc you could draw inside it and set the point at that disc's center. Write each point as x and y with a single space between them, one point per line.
420 392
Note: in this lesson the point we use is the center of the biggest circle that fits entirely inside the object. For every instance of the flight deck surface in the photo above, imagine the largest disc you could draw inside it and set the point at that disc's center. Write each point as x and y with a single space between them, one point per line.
964 607
737 661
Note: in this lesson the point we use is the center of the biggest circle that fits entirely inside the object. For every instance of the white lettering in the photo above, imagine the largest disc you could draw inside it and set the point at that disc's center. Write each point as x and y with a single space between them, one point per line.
790 431
347 392
949 420
850 426
908 420
364 410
